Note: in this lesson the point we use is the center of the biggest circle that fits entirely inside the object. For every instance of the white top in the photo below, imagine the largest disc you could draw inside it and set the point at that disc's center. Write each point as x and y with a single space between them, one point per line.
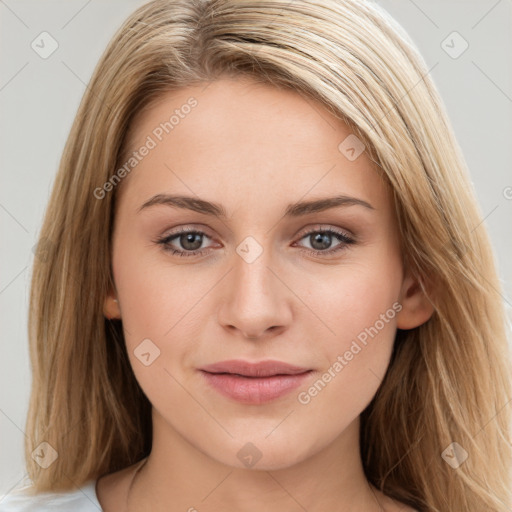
83 499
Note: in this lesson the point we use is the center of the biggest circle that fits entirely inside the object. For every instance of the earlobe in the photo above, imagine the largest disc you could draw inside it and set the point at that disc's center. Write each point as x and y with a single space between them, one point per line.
111 307
416 307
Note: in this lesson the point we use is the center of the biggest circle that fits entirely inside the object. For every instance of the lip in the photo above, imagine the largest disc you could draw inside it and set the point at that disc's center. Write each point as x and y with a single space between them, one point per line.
254 383
258 369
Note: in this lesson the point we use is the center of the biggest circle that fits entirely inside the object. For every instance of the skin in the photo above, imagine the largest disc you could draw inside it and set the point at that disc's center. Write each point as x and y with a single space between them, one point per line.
254 149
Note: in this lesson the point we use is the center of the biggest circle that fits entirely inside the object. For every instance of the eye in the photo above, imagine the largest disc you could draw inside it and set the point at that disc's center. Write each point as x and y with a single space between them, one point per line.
322 239
191 242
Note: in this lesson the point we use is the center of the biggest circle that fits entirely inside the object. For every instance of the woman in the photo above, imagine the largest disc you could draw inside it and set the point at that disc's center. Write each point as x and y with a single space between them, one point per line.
266 283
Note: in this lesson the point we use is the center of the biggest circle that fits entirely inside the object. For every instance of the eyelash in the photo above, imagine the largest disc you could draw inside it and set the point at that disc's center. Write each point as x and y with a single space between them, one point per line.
165 240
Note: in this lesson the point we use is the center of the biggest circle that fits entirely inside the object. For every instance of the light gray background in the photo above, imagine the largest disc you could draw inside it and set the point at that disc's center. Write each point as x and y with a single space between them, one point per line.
39 98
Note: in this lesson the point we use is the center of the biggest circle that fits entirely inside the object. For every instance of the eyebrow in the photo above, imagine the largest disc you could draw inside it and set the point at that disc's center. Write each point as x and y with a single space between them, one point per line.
217 210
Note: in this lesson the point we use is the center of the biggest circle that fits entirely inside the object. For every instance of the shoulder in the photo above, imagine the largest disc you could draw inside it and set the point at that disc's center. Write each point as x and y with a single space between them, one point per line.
82 499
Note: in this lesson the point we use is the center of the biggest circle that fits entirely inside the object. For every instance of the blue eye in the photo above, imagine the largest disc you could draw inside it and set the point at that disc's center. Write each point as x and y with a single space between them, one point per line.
188 239
192 240
324 237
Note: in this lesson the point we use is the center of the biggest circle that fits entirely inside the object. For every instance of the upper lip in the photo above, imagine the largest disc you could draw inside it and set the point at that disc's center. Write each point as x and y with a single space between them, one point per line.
258 369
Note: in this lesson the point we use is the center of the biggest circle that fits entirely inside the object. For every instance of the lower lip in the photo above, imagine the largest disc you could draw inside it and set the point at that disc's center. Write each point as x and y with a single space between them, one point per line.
254 390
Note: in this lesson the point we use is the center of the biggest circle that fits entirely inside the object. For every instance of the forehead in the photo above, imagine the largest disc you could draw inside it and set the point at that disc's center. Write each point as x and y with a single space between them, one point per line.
236 138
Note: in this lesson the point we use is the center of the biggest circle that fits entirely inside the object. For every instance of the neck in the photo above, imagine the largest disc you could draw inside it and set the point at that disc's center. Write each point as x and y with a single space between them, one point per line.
177 477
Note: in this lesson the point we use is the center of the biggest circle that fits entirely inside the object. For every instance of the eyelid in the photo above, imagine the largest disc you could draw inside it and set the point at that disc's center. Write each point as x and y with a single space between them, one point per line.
325 227
186 228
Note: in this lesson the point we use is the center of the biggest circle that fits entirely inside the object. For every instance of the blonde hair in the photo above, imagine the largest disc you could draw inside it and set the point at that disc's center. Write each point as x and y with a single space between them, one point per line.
448 379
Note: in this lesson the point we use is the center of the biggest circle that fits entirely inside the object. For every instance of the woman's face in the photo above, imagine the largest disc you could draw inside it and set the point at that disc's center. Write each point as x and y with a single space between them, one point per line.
258 280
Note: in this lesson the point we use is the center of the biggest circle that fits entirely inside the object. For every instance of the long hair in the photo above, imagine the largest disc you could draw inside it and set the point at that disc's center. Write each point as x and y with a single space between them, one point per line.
444 397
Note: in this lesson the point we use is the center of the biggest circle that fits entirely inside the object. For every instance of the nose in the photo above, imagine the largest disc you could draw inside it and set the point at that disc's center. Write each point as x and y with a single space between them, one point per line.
255 302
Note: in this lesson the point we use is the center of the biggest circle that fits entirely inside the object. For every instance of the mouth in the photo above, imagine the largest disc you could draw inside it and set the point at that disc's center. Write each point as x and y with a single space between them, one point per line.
254 383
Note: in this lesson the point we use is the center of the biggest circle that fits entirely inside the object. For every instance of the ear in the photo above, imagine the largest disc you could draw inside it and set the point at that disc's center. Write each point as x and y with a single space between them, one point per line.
416 307
111 306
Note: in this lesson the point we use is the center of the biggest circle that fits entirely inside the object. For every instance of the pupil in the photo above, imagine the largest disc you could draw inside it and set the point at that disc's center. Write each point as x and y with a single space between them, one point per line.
323 239
187 241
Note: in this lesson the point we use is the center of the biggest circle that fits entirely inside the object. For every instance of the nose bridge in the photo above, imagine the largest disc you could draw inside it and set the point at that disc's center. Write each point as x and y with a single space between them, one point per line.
255 299
252 277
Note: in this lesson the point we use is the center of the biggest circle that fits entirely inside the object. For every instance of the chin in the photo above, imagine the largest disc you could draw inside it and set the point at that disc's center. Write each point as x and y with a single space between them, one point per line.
263 454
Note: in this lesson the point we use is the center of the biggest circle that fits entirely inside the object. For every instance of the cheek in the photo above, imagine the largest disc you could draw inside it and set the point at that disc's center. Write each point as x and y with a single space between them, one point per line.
355 298
157 321
360 312
154 295
161 309
355 358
